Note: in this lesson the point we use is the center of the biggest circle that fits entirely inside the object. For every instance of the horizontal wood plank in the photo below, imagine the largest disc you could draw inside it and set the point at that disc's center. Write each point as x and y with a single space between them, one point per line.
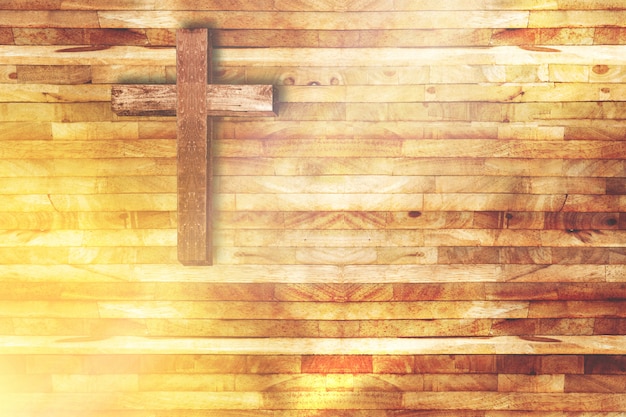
222 100
504 345
320 57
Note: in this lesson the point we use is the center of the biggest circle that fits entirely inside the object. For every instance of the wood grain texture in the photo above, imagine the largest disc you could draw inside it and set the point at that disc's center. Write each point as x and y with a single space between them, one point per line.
433 225
194 148
221 100
125 345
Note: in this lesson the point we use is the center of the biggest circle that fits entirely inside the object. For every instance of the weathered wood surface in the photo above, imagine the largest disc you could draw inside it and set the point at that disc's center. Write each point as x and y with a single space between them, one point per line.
194 148
222 100
433 225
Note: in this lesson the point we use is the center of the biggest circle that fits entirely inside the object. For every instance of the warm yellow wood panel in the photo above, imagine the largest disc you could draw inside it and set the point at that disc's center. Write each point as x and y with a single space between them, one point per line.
315 273
88 185
576 18
99 202
149 237
323 57
54 220
25 131
325 184
158 148
301 20
517 401
504 345
309 5
87 167
55 18
432 225
43 93
120 401
313 311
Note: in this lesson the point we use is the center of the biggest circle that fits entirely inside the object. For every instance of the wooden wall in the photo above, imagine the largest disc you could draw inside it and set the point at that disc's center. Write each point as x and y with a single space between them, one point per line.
432 226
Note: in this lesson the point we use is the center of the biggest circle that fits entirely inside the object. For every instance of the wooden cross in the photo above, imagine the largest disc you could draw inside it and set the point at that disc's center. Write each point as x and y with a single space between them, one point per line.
194 100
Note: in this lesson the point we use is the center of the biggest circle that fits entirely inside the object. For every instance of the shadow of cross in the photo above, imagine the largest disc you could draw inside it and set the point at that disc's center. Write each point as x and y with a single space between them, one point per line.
194 100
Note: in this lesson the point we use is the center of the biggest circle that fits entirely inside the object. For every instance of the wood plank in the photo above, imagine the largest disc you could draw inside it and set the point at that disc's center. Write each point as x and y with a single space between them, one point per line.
318 20
488 112
328 202
81 309
315 273
73 383
98 130
25 383
54 18
554 291
54 74
138 290
194 148
609 326
313 311
595 383
576 309
25 131
575 18
119 74
134 5
503 345
86 256
89 220
77 203
547 36
518 202
332 400
46 149
38 93
507 5
8 74
6 36
543 92
221 100
515 401
529 185
143 237
90 36
86 167
569 55
312 292
308 5
220 364
124 401
326 184
362 38
413 166
248 129
538 365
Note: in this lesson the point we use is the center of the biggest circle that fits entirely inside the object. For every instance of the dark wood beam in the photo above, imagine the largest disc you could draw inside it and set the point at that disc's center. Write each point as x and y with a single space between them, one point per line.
194 138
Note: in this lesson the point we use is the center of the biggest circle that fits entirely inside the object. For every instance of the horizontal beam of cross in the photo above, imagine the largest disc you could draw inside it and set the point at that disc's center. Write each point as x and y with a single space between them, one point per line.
222 100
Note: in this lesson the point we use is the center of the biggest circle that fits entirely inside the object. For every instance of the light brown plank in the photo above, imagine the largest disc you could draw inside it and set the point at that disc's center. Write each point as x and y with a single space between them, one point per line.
321 57
503 345
318 20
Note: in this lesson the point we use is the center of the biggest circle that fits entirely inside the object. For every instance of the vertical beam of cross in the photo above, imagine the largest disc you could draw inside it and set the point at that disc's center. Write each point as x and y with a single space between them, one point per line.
194 100
194 139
